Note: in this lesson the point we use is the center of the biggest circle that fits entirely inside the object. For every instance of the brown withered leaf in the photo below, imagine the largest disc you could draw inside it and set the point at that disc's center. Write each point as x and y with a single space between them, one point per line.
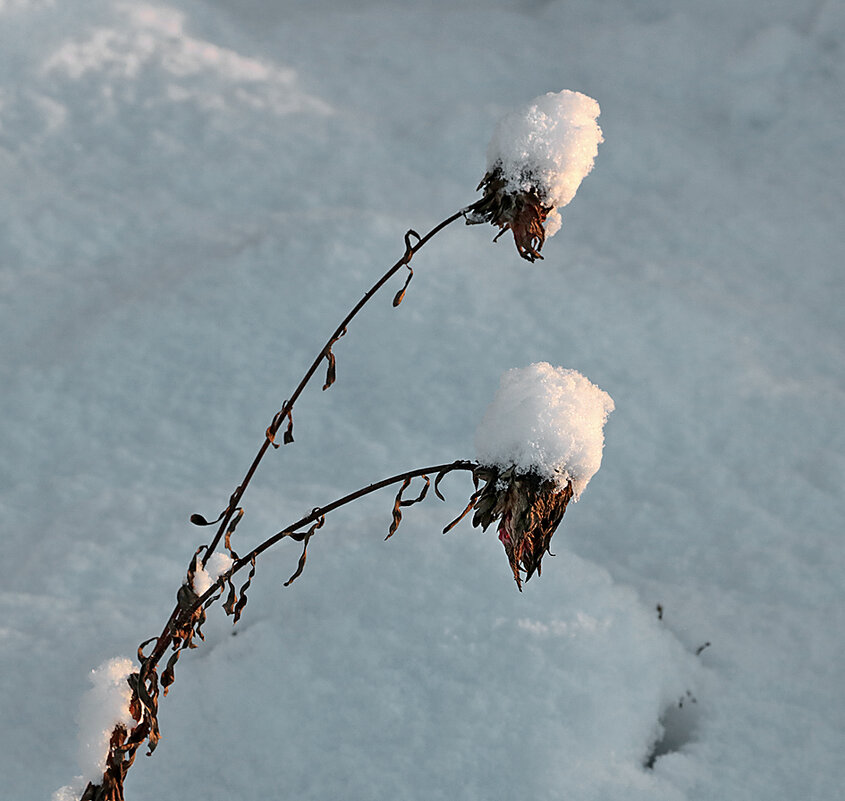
270 433
233 524
409 248
185 595
331 370
400 295
167 677
305 539
231 599
397 512
421 496
288 437
437 480
239 606
472 499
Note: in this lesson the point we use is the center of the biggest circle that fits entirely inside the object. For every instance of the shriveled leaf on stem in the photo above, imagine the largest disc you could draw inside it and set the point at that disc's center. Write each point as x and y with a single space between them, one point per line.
305 540
399 502
331 370
239 606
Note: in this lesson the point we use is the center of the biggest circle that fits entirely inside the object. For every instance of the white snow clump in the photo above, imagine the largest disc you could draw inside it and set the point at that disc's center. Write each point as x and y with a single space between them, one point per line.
104 706
546 420
204 577
549 146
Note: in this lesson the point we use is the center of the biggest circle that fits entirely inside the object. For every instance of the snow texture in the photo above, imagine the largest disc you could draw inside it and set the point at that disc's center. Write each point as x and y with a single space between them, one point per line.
549 146
204 577
192 195
546 420
103 707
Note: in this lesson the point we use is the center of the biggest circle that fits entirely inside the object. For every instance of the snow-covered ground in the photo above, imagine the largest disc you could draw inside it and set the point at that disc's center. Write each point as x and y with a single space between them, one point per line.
192 195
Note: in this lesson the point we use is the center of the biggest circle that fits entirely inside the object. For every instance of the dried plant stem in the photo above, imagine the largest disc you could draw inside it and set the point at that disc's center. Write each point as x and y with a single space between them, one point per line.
285 412
188 617
226 521
182 614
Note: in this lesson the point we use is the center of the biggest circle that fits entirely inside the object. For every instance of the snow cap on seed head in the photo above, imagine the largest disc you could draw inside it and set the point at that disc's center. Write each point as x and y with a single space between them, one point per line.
546 420
538 445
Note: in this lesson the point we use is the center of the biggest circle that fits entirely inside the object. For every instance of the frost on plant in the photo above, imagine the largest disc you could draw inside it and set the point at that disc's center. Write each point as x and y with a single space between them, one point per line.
539 443
536 160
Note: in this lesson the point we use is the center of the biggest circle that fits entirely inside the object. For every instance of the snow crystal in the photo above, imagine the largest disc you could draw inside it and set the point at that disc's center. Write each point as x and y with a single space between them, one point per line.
548 420
548 145
204 577
104 706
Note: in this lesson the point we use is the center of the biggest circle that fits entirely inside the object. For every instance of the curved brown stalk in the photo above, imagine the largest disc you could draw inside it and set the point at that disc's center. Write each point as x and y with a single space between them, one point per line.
226 522
189 616
182 614
285 412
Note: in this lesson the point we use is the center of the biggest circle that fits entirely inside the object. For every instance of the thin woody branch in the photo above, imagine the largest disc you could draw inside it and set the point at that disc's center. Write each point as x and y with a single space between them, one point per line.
189 615
232 514
291 530
285 413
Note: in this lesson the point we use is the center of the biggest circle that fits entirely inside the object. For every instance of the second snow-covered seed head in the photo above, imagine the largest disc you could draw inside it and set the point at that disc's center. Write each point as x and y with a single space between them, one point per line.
539 444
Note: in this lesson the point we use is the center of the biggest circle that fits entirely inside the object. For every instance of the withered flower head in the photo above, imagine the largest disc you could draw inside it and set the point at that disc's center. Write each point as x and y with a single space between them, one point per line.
528 509
522 212
538 445
536 160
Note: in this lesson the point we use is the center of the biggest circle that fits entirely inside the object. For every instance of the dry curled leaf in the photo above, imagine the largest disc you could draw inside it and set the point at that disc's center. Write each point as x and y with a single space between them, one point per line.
231 599
437 484
288 436
233 524
400 295
397 512
239 606
472 499
331 370
305 538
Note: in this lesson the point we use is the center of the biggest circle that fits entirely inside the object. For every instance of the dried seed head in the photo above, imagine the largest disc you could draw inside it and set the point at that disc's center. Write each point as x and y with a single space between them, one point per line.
536 160
528 509
520 212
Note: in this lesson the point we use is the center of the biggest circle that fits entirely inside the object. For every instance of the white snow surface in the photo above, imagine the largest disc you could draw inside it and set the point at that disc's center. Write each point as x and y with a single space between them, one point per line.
548 145
546 420
192 195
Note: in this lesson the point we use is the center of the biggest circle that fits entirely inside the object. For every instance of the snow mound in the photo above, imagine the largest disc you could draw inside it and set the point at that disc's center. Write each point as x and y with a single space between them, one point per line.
146 58
549 146
547 420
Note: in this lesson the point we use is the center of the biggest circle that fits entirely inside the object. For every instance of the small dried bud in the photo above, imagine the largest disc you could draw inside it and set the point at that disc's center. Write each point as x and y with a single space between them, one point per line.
528 509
